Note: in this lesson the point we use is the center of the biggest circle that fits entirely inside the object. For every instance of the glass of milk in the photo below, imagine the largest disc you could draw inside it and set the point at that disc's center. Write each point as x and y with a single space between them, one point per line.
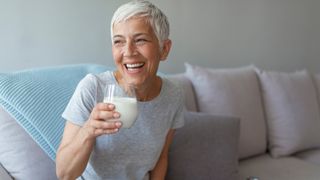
125 102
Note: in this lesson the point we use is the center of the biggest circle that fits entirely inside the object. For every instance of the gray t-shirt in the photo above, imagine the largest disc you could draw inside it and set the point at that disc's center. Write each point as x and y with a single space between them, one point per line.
130 153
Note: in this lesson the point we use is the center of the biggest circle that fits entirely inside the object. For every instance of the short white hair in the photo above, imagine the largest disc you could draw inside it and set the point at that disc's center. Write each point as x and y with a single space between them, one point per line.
142 8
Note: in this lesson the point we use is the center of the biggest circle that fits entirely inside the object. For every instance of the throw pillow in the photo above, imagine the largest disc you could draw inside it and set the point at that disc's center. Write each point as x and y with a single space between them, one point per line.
205 148
292 111
20 155
32 94
233 92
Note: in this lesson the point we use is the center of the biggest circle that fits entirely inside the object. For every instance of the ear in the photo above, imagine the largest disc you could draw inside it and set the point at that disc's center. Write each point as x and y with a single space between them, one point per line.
165 49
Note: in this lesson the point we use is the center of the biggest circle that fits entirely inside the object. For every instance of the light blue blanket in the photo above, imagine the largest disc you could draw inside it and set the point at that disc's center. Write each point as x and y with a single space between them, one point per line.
36 99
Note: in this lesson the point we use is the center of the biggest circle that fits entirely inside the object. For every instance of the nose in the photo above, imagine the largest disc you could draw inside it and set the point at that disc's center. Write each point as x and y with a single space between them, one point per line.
129 49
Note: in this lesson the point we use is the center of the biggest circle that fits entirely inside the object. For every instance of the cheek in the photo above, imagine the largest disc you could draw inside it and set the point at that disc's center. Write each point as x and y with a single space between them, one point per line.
116 55
153 65
153 60
152 54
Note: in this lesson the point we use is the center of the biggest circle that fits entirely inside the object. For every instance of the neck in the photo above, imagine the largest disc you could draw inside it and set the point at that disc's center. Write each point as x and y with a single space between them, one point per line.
146 91
150 91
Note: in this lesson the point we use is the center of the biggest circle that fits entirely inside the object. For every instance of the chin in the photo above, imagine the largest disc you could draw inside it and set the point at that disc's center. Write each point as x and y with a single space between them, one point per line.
134 81
137 79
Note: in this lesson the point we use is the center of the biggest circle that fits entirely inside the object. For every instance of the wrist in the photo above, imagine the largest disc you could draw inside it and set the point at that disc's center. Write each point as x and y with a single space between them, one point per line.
84 136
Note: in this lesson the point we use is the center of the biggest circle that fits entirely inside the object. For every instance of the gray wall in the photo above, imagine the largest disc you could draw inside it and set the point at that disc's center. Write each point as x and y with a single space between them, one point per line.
314 46
272 34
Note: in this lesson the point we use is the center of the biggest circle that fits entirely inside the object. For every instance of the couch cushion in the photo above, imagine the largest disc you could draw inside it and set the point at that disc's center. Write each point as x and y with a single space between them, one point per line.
292 111
312 156
286 168
317 82
184 82
205 148
4 174
20 155
233 92
32 94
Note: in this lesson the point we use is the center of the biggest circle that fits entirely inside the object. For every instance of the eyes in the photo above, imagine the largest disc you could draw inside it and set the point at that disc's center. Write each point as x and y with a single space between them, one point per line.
140 41
118 42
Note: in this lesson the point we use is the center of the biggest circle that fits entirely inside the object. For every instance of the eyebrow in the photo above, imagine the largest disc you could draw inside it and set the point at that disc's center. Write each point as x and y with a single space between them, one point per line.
135 35
117 36
140 34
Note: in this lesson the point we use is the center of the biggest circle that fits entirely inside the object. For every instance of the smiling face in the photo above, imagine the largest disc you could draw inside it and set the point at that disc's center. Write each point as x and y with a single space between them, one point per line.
136 52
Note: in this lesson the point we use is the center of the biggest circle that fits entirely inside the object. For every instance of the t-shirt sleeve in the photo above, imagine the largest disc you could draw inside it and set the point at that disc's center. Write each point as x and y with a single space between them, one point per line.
82 101
178 121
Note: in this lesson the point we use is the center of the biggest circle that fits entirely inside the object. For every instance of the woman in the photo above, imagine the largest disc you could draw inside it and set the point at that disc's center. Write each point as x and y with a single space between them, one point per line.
93 147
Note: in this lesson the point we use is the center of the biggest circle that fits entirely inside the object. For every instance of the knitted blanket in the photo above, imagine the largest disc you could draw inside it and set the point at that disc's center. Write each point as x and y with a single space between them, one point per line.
36 98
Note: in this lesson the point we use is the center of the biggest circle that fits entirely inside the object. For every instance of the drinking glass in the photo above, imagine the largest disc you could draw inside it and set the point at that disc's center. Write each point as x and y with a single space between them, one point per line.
125 102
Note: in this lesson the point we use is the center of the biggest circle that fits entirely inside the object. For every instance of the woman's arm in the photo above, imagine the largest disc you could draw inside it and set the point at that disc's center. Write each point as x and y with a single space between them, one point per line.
73 153
160 170
77 142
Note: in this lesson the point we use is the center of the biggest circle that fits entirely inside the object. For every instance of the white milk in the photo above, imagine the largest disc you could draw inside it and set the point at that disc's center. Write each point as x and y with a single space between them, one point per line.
128 109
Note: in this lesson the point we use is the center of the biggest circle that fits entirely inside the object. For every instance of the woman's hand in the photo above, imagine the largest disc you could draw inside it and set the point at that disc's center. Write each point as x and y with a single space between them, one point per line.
103 120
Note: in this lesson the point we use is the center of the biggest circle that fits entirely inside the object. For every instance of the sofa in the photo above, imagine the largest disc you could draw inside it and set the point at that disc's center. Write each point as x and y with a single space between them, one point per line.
240 123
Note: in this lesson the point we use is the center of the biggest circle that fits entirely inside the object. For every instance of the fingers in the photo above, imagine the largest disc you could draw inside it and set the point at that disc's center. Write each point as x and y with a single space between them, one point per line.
98 132
104 111
111 124
103 120
105 106
97 127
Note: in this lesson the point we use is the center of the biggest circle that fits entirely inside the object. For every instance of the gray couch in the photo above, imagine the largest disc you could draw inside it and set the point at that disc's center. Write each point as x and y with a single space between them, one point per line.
241 122
279 117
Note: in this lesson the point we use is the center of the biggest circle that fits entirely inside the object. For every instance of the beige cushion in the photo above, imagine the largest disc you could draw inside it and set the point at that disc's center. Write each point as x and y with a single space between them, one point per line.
3 174
292 112
20 155
285 168
232 92
312 156
317 82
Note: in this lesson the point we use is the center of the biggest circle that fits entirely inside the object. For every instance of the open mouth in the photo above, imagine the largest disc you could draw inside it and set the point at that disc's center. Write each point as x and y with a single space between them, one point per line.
134 66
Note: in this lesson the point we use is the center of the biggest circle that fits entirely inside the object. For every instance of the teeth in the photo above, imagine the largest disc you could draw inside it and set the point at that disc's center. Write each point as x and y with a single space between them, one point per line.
134 65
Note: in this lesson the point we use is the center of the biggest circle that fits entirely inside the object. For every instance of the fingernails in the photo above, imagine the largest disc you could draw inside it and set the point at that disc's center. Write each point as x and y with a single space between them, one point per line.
111 106
118 124
116 115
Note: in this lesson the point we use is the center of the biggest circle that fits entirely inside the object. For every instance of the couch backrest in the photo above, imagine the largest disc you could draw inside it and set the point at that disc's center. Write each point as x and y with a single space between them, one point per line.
230 92
292 111
271 105
185 83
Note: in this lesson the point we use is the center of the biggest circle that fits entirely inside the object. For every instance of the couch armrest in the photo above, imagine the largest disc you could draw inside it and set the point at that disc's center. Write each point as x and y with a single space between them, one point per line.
3 174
